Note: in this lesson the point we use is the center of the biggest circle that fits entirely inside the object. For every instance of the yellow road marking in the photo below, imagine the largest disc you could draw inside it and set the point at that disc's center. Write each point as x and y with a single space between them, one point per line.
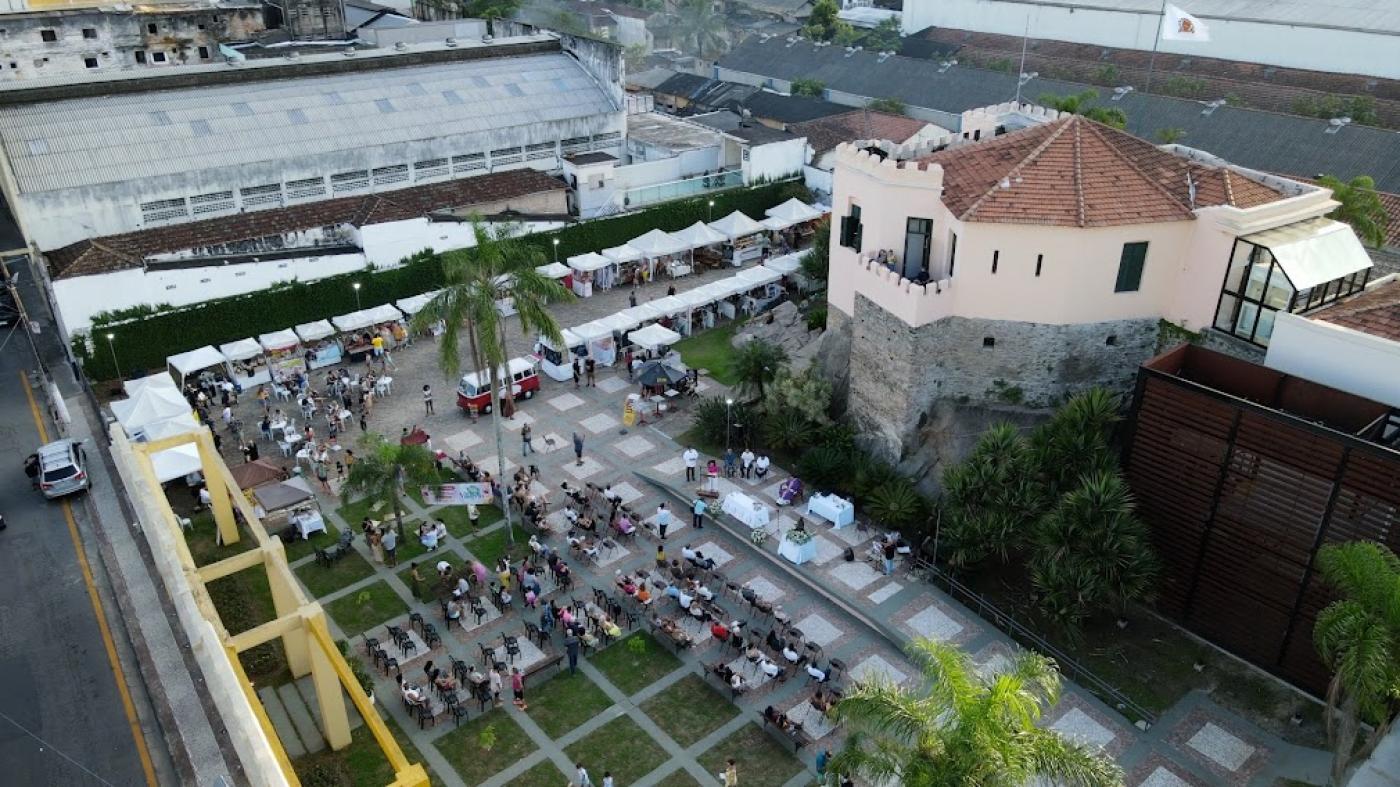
107 641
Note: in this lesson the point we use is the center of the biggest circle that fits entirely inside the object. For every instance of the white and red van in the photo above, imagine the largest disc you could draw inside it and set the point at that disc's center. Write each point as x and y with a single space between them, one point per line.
519 374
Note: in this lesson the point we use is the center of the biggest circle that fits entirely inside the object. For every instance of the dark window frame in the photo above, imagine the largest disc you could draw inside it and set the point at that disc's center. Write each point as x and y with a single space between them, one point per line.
851 229
1129 280
1301 301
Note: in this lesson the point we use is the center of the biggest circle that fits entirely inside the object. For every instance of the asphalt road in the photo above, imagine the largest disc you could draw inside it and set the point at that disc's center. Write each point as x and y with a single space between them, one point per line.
63 719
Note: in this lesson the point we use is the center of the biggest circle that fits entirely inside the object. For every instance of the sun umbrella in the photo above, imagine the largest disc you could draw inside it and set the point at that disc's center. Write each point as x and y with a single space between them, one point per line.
653 372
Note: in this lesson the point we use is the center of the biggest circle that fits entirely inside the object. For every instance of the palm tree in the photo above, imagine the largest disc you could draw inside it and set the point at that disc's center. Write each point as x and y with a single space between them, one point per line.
1090 551
383 472
991 499
757 363
1075 441
965 728
499 267
700 26
1360 207
1358 638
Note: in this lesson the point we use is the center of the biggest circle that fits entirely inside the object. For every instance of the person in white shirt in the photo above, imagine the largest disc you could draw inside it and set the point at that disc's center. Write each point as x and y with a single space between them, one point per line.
816 674
691 457
769 668
444 568
760 468
463 587
685 599
704 592
663 520
687 553
790 654
746 462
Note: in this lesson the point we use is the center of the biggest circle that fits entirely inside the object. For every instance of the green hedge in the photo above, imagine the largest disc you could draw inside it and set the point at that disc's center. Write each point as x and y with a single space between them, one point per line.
145 343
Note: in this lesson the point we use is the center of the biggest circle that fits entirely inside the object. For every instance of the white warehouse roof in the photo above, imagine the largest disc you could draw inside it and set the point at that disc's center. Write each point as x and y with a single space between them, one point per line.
1373 16
113 138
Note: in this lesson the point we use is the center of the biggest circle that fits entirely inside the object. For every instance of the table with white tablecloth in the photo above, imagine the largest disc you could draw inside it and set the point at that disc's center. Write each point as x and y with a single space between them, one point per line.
745 509
797 553
308 522
837 511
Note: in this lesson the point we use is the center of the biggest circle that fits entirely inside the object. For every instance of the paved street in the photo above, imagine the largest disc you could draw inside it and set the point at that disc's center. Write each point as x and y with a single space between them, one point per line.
63 719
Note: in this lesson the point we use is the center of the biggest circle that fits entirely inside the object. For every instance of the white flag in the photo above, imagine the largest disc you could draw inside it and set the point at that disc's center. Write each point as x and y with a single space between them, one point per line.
1181 26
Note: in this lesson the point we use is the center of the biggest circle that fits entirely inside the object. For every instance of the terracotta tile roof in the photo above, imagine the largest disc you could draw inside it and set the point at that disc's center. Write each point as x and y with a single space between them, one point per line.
1081 173
129 250
826 133
1375 311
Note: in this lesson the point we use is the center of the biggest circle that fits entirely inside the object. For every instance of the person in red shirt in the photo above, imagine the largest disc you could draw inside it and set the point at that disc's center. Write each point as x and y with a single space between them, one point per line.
718 631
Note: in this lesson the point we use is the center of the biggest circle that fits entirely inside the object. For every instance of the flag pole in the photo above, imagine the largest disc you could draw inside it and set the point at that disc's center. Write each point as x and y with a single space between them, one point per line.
1020 75
1156 41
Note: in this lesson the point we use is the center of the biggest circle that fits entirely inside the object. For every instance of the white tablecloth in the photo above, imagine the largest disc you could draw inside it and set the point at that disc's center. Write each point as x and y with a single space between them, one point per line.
797 553
835 510
308 522
746 509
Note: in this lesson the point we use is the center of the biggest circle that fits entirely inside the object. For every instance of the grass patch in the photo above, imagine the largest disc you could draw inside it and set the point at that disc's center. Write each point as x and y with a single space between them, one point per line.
321 580
544 774
490 547
565 701
711 350
474 762
360 611
632 671
301 547
355 512
689 709
678 778
202 538
244 600
759 758
427 569
455 517
361 764
619 746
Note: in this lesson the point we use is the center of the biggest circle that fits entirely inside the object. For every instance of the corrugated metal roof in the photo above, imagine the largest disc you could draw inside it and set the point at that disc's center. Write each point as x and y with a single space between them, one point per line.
90 141
1250 138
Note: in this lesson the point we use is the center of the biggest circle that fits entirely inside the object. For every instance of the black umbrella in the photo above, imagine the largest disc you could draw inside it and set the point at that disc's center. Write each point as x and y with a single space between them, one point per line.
653 372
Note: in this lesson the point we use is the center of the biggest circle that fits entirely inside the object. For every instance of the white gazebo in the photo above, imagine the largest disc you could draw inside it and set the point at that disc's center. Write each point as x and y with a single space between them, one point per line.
383 313
184 364
415 303
786 264
757 276
354 321
154 403
622 322
598 339
656 243
794 211
239 356
642 312
736 225
623 253
157 380
653 337
591 267
554 270
314 331
279 341
668 306
699 234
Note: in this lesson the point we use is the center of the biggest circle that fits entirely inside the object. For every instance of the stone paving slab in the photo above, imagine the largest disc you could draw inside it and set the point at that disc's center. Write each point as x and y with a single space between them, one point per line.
305 726
281 722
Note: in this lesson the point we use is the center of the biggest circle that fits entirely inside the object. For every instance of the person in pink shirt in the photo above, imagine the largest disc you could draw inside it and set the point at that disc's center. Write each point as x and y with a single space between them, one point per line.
517 686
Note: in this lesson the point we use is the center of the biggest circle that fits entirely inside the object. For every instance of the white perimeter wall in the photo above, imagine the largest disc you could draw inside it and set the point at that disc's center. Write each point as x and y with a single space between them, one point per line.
1348 360
385 246
775 160
1320 49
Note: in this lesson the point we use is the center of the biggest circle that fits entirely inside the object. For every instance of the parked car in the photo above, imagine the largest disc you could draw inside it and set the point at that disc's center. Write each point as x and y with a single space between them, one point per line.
473 393
62 468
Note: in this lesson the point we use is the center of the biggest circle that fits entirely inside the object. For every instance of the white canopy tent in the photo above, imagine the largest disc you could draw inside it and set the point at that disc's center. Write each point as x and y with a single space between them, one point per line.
241 350
668 306
159 379
653 336
757 277
700 296
415 303
786 264
591 261
154 403
590 331
794 211
177 462
656 243
570 338
642 312
554 270
284 339
354 321
598 340
699 234
736 225
190 362
623 253
384 312
620 322
313 331
775 224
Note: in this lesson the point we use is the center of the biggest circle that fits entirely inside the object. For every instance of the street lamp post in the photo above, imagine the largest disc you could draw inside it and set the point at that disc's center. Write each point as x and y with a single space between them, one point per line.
556 249
356 286
113 348
728 407
712 210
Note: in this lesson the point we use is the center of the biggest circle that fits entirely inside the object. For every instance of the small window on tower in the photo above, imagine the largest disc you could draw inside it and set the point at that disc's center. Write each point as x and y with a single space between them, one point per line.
90 62
89 32
48 35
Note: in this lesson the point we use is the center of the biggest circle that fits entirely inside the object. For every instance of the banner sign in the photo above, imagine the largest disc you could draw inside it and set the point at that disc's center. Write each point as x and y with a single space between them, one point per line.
463 494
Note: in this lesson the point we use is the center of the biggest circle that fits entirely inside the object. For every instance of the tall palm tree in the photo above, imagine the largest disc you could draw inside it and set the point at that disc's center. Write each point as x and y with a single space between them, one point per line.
1358 638
990 499
384 470
700 26
499 267
965 728
757 364
1075 441
1360 207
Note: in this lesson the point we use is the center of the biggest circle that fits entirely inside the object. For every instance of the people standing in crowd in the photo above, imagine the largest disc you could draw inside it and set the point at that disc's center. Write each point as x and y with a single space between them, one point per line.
691 457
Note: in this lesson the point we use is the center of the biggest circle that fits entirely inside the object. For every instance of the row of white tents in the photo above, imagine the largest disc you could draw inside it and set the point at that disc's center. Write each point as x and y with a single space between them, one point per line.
655 243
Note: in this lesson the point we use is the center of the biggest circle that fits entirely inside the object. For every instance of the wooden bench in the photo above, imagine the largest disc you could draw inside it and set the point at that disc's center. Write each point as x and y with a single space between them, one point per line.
550 662
794 733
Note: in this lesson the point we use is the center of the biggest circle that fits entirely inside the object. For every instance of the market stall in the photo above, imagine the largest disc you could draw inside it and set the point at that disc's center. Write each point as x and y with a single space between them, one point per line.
159 379
291 502
556 270
354 336
627 265
745 237
619 324
245 362
785 265
182 461
654 338
152 404
411 305
761 287
557 358
188 364
599 342
387 323
320 347
641 313
698 314
793 221
589 269
282 350
698 236
724 291
657 248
